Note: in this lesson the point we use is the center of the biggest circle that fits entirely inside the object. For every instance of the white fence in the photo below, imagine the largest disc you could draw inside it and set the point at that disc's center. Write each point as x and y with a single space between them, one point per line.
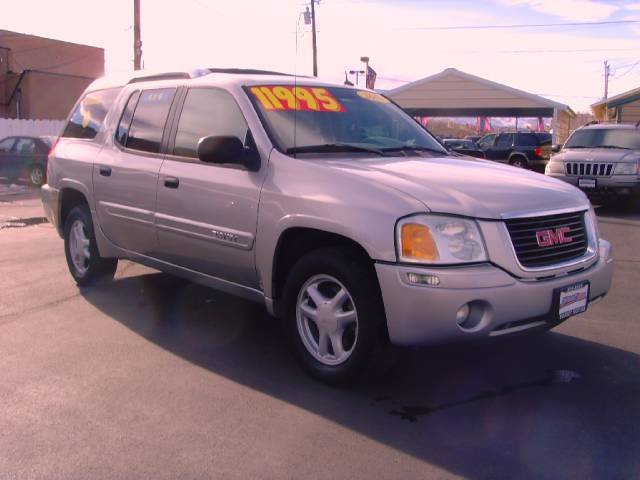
10 127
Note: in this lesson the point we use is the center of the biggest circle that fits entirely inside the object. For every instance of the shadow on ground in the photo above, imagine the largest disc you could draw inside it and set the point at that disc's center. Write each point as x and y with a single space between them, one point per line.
548 406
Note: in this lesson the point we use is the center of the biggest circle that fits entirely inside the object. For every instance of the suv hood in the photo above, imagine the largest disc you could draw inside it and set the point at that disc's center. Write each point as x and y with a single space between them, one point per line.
596 155
465 186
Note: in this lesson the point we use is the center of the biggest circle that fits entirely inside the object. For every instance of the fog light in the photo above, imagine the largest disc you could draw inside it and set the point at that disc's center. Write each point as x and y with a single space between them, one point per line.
462 314
423 279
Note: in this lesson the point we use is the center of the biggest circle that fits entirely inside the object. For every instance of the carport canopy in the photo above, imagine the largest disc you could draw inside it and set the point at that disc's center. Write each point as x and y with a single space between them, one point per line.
453 93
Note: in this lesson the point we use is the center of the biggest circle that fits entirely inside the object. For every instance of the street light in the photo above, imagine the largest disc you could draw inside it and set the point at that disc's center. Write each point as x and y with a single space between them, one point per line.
356 73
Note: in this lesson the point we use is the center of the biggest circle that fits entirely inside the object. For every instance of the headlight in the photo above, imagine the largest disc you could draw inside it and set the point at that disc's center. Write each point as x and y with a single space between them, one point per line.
626 168
554 167
437 239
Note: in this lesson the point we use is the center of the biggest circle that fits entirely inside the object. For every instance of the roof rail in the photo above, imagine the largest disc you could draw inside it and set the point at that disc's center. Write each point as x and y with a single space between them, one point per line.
151 76
248 71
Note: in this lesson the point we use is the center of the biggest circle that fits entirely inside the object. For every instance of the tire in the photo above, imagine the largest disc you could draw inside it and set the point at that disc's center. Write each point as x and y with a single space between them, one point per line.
85 264
356 342
37 175
518 162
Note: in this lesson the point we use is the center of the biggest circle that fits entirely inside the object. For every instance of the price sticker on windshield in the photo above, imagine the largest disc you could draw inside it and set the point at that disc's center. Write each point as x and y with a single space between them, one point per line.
374 97
289 97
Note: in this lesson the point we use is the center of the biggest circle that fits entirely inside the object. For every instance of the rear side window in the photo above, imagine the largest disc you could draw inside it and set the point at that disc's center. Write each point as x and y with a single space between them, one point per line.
122 133
86 119
207 112
505 140
149 119
527 140
25 146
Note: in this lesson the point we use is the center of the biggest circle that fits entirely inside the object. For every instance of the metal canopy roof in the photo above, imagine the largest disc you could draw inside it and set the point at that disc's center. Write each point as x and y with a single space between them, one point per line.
455 93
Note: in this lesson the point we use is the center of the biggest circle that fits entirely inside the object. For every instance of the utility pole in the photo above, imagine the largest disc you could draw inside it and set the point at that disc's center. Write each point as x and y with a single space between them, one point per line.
137 43
607 74
313 29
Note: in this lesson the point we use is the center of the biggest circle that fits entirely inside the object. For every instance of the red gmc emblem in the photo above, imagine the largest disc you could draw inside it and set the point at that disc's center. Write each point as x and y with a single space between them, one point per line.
547 238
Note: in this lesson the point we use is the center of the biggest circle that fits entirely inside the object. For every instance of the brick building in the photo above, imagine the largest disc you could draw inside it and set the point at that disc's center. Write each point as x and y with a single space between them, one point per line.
41 78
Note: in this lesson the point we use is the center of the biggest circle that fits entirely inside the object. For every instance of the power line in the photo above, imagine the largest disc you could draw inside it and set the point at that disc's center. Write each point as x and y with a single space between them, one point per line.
522 25
568 50
615 77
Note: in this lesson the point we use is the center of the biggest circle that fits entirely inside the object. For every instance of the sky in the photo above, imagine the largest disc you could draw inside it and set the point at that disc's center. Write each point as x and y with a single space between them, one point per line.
405 39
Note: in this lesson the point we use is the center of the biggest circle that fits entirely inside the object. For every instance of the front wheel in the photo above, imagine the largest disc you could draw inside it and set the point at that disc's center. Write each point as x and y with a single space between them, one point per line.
83 259
334 315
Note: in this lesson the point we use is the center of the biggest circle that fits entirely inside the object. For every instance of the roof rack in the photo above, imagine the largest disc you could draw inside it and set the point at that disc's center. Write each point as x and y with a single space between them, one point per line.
248 71
187 74
150 76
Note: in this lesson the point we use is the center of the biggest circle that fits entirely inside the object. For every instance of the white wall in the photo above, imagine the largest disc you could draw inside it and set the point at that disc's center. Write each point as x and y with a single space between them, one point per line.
10 126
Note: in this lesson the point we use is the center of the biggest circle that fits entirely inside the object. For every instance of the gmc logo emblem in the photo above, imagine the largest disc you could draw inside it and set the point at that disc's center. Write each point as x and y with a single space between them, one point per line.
547 238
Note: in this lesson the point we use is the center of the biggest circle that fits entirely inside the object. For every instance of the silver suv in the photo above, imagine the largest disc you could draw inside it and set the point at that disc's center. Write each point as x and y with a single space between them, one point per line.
601 159
329 205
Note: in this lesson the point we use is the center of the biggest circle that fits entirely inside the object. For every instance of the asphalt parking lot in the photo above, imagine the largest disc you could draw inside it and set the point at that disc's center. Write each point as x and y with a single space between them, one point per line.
153 377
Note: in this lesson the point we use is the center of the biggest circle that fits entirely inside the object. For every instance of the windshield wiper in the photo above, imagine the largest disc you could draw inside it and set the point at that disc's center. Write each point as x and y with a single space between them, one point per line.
415 148
333 147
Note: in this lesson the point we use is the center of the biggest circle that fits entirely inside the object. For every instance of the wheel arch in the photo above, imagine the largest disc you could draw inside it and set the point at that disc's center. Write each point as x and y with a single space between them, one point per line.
70 198
295 242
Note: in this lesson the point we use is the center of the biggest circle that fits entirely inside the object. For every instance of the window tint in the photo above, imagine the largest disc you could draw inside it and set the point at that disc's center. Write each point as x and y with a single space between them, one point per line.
25 146
505 140
527 140
88 116
149 118
6 144
207 112
125 120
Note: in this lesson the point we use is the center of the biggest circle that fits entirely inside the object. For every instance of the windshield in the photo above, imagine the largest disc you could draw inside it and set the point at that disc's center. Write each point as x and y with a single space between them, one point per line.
345 119
605 138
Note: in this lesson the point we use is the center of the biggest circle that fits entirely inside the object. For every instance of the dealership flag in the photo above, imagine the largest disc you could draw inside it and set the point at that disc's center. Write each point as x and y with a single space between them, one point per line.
371 77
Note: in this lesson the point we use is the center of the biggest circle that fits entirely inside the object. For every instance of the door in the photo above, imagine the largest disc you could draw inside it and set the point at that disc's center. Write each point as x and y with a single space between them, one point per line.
207 213
125 175
6 163
24 152
501 148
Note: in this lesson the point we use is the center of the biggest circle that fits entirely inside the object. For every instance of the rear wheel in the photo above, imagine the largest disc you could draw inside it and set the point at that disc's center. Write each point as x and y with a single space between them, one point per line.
333 315
519 162
36 175
83 259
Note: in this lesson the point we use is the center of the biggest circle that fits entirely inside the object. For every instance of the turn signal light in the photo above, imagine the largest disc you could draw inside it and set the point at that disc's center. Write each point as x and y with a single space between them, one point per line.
418 243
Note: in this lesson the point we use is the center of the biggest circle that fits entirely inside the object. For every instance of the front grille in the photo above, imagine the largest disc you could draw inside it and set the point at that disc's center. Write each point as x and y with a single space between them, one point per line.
525 233
589 168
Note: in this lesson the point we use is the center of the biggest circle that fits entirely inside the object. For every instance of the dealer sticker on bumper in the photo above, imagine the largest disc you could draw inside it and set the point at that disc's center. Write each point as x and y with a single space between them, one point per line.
573 300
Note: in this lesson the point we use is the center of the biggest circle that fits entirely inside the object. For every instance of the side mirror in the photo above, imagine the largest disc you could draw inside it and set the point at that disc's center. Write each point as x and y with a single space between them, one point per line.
226 149
556 147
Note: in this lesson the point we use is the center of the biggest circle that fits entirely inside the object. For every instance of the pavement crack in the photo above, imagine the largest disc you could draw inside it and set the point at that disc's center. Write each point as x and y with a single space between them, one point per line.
411 413
38 308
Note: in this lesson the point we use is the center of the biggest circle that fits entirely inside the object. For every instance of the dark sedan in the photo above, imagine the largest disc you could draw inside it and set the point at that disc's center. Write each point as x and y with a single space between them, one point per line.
463 146
25 157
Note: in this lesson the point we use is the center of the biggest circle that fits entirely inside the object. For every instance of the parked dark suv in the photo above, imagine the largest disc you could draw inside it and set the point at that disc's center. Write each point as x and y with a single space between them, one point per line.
523 149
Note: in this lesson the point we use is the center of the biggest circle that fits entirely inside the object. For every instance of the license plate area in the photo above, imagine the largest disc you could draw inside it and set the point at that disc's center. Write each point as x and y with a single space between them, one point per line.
587 183
571 300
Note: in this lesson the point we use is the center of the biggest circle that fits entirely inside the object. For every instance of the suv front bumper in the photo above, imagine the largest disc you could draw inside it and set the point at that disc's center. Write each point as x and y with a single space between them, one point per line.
500 304
613 184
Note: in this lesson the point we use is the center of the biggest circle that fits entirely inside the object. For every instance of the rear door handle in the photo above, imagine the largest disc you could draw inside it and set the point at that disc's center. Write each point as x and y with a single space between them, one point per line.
105 171
171 182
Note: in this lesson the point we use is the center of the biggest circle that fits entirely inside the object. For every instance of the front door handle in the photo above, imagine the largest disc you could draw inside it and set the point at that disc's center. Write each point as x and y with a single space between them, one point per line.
171 182
105 171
